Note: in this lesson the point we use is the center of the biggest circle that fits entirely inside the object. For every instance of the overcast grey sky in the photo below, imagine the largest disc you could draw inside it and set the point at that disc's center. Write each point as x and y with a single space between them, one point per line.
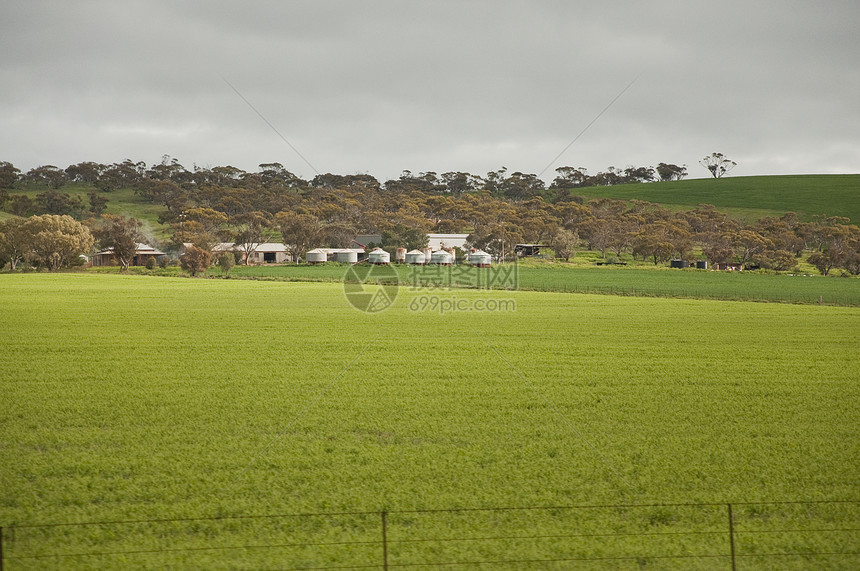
382 86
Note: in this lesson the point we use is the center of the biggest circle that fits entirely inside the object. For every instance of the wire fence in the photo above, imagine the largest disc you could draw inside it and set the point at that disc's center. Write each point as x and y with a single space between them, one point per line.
784 535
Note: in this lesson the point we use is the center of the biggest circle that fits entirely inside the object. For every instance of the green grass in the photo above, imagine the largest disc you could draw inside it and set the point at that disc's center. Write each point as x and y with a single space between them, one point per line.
636 281
135 397
749 198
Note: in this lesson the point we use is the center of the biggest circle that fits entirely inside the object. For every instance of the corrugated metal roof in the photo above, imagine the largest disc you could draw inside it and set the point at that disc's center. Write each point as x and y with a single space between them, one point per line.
341 250
140 249
263 247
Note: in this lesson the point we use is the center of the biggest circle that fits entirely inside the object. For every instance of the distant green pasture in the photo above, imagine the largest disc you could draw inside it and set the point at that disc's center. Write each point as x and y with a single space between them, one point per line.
654 282
749 198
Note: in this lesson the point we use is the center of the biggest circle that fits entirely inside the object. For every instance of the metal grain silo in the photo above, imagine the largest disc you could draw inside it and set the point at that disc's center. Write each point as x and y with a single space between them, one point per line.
480 258
379 256
442 258
347 256
316 256
415 257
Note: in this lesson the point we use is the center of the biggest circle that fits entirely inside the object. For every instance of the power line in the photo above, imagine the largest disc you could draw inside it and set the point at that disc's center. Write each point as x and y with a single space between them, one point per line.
593 121
267 122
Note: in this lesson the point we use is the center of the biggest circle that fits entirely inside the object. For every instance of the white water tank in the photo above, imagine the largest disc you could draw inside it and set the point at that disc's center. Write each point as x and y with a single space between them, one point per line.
415 257
442 258
347 257
316 256
480 259
379 256
401 255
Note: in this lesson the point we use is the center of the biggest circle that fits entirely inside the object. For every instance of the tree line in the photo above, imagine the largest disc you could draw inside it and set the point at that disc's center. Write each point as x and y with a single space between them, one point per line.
130 174
205 206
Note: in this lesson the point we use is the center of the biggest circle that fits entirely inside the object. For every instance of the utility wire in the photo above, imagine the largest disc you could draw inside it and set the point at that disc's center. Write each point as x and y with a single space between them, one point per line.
272 127
593 121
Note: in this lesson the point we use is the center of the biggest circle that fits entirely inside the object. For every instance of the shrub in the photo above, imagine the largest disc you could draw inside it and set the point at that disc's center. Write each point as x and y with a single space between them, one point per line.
226 260
195 260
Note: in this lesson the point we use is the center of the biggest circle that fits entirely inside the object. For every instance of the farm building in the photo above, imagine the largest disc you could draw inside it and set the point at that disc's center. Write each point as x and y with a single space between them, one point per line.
528 249
435 241
222 247
265 253
443 241
141 255
216 249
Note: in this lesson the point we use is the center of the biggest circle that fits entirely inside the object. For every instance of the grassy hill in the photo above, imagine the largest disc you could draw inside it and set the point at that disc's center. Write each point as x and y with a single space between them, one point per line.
123 201
750 197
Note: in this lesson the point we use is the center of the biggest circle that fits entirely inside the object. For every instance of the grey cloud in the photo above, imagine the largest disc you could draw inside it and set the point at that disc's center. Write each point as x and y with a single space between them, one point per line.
384 86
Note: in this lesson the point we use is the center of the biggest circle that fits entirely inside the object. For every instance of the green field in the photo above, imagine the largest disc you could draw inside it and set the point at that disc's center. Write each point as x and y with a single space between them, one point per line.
138 398
635 281
749 197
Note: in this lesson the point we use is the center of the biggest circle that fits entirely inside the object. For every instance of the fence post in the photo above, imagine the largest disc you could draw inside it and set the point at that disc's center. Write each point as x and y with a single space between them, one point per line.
732 536
384 543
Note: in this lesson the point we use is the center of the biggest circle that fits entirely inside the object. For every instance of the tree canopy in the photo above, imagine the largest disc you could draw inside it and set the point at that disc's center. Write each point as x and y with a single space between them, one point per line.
205 206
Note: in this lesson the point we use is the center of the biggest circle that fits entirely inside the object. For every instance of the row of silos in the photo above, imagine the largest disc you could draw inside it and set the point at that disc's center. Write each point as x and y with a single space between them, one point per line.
378 256
320 255
419 258
477 258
